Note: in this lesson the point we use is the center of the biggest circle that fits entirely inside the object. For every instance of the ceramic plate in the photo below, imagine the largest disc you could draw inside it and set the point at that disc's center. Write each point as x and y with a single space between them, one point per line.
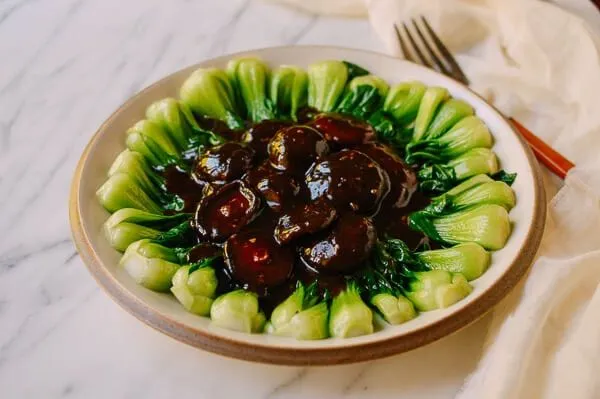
164 313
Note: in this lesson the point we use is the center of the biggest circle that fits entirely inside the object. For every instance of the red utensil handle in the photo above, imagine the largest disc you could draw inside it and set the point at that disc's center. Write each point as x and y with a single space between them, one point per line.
557 164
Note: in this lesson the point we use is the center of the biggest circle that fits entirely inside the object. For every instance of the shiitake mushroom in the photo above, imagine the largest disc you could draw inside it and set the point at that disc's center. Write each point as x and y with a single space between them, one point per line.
254 260
350 180
403 180
320 202
343 131
295 148
223 163
226 211
258 136
344 248
277 188
304 219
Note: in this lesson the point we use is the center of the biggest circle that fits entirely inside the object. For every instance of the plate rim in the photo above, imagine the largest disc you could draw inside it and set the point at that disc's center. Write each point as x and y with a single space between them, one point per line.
203 339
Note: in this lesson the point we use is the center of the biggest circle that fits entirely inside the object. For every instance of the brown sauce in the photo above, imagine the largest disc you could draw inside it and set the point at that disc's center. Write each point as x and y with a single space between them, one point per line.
372 196
219 127
202 251
180 183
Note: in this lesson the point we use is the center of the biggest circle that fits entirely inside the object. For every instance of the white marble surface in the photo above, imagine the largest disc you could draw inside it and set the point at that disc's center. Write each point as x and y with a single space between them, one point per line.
65 65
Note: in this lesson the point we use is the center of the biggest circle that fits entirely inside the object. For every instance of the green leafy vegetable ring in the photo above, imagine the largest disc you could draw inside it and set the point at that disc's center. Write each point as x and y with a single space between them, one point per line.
468 215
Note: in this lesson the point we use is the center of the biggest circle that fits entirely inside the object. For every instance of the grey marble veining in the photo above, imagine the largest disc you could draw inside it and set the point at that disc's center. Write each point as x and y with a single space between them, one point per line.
65 65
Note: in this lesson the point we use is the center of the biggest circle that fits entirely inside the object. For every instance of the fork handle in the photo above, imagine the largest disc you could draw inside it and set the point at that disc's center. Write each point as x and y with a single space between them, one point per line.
555 162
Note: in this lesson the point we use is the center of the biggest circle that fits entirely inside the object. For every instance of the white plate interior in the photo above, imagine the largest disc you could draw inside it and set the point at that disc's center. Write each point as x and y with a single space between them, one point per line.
111 141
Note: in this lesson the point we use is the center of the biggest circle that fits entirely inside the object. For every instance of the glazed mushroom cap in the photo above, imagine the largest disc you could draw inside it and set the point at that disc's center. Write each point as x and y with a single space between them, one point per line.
343 130
277 188
226 211
344 248
256 261
349 179
403 180
223 163
259 135
295 148
304 219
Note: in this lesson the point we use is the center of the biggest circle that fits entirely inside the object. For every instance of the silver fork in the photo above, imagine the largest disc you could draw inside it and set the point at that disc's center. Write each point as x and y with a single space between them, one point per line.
432 53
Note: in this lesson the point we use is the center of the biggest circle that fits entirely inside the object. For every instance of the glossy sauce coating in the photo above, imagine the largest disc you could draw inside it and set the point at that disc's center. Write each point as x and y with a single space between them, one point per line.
226 211
403 180
304 219
295 148
343 249
180 183
296 203
277 188
202 251
350 179
393 221
224 163
220 128
343 131
259 135
254 259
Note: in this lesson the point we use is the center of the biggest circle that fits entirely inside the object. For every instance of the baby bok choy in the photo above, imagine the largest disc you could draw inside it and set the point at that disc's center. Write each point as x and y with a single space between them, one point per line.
133 183
426 289
474 162
326 83
176 118
167 114
249 77
302 315
208 92
363 99
151 264
467 134
349 315
428 108
450 112
128 225
289 90
467 185
403 100
153 142
437 289
355 70
134 164
469 259
395 308
385 292
382 282
195 286
121 190
487 225
363 96
437 178
239 311
477 190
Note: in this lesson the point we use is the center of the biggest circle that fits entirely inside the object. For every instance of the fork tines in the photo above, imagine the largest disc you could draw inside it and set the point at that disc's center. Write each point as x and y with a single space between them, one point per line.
437 55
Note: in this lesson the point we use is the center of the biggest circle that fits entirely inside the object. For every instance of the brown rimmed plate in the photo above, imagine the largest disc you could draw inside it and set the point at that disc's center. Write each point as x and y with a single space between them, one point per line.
164 313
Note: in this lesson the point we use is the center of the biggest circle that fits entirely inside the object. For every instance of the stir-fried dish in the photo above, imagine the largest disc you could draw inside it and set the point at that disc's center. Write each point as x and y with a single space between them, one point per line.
304 203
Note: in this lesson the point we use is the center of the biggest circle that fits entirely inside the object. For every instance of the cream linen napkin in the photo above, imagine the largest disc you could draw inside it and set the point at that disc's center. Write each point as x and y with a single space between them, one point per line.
541 64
